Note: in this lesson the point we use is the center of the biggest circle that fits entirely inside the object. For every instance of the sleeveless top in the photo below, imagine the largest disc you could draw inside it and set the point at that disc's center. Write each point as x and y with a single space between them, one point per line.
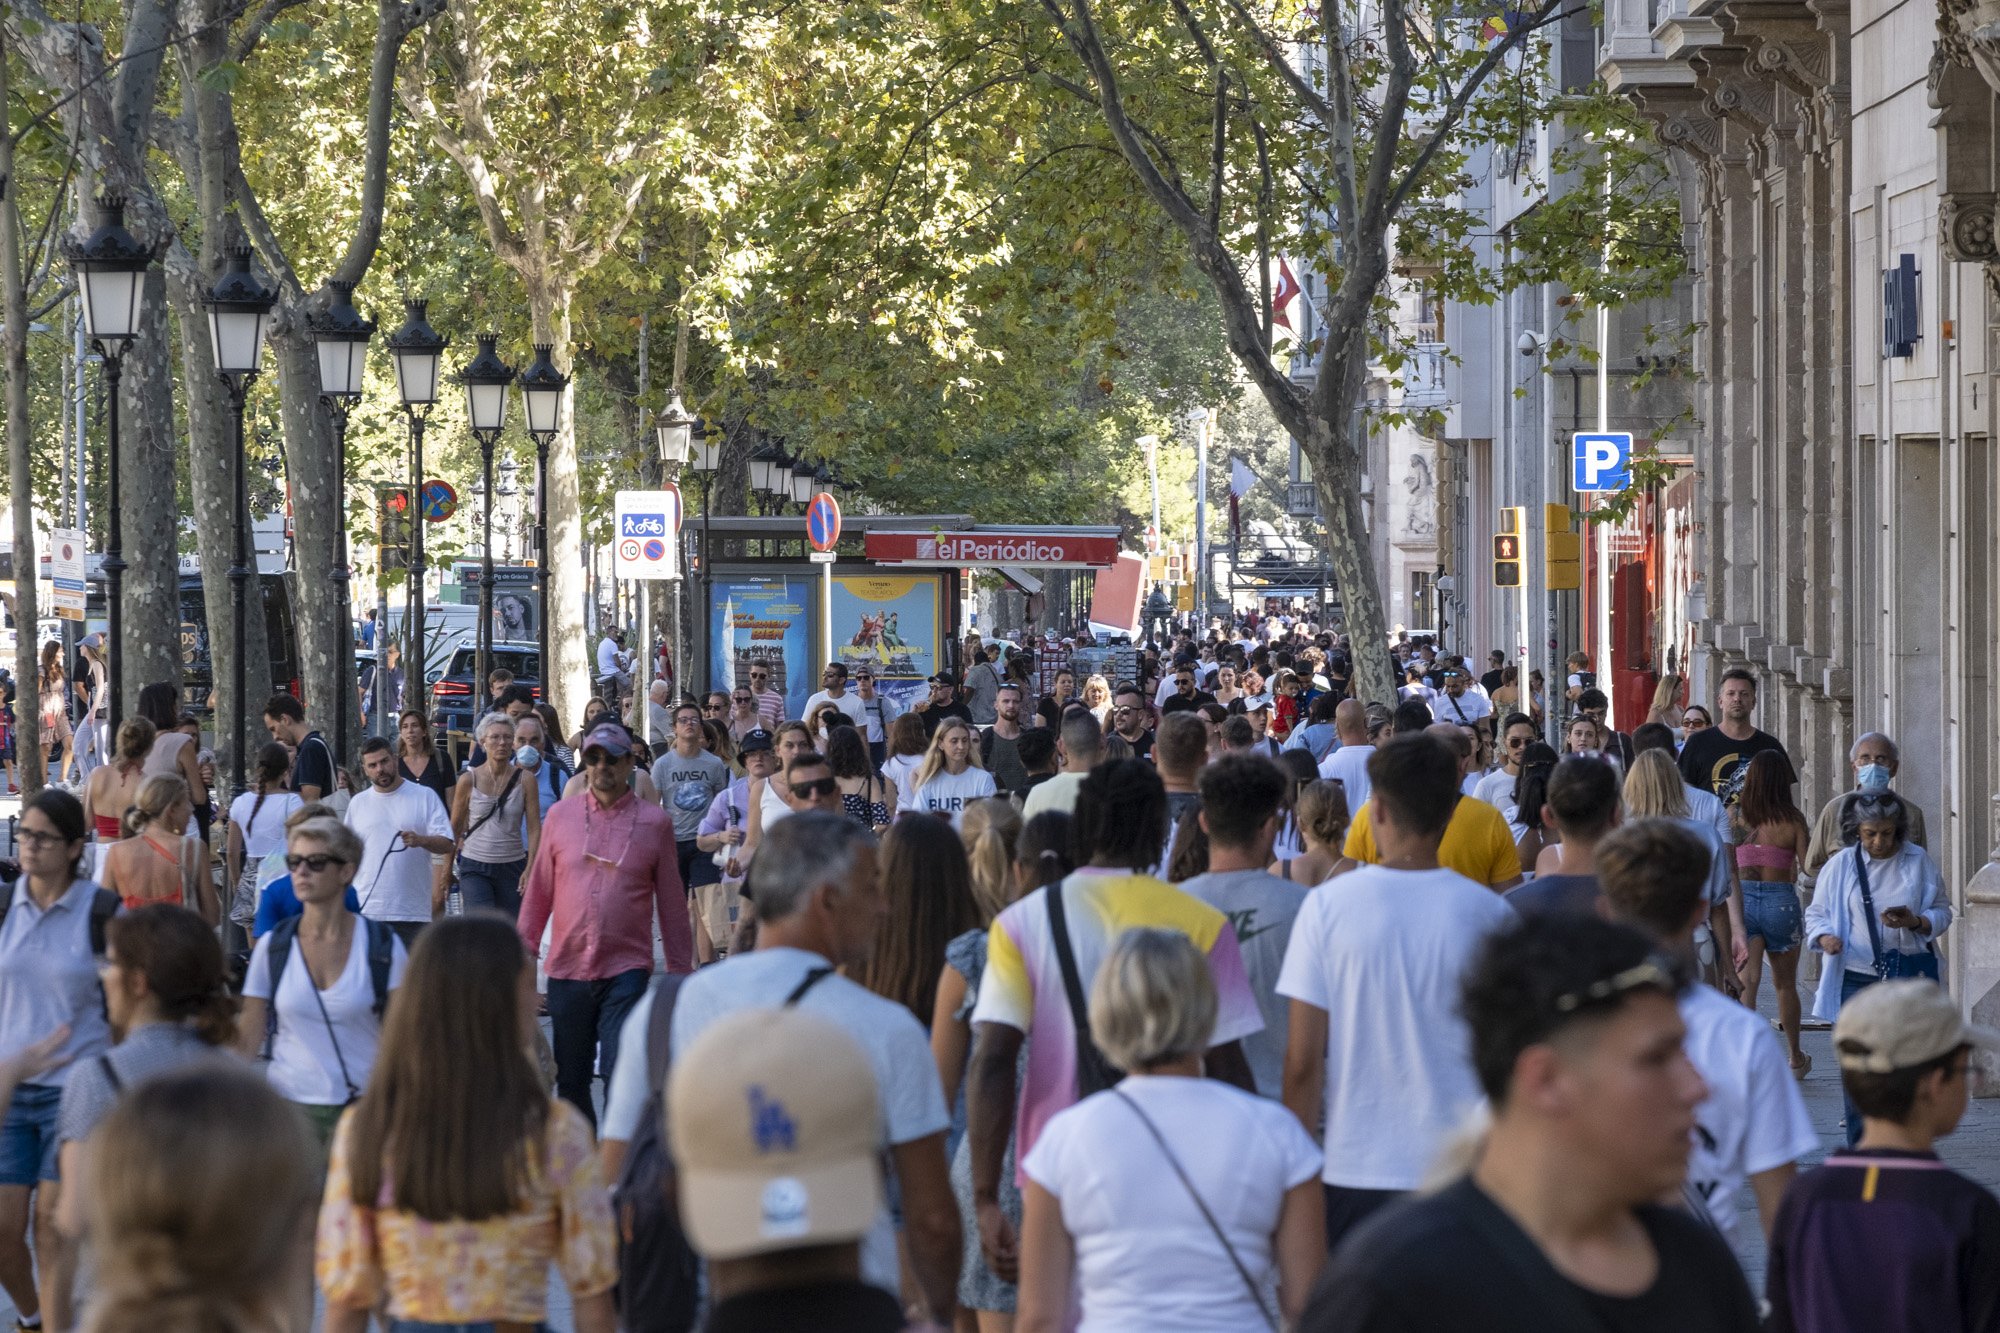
143 872
499 840
863 811
773 805
165 756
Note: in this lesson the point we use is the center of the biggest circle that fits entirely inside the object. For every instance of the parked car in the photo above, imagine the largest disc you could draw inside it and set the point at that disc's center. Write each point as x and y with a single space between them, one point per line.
457 700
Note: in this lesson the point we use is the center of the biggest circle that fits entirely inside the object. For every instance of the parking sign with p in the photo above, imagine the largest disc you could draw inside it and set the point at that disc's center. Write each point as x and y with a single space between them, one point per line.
1602 462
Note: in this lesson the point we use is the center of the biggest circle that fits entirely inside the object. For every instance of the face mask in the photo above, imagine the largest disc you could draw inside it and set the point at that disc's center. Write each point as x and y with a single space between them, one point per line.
1873 777
528 757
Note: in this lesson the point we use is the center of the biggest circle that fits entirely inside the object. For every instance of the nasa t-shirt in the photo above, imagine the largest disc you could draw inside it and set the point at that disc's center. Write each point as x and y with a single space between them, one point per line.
948 795
688 786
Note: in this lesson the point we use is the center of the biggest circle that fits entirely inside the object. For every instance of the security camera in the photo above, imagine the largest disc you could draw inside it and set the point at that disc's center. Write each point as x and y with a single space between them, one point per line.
1528 344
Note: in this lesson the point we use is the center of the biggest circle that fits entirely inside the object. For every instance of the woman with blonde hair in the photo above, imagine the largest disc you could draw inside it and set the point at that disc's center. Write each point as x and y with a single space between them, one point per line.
950 777
114 786
1654 790
1322 823
199 1188
1097 698
1131 1213
257 829
1666 709
54 686
156 861
989 831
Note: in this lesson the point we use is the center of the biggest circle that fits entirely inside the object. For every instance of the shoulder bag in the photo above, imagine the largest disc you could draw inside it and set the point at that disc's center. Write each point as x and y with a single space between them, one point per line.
1892 964
1242 1269
1094 1073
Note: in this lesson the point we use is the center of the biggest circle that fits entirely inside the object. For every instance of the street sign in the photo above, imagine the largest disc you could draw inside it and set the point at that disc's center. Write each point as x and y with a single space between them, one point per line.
1035 550
1601 462
66 557
648 527
823 522
440 500
823 557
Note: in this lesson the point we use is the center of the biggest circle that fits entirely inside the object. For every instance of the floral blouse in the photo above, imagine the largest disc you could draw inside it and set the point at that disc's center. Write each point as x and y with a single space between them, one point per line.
468 1272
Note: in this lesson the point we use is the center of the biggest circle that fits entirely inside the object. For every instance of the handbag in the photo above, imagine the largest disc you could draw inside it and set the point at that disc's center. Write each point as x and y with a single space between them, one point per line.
1242 1269
1891 965
1094 1073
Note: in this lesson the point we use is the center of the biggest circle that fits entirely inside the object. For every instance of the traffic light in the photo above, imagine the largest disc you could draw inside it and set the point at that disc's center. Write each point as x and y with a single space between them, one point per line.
392 528
1507 549
1562 551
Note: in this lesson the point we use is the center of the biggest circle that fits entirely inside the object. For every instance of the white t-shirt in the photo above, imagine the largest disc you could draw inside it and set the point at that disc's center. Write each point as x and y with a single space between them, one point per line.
1497 790
608 663
899 769
1382 952
1058 793
266 833
1705 806
394 881
913 1104
1349 764
876 715
1754 1118
1262 908
849 703
1463 711
948 795
1145 1258
304 1064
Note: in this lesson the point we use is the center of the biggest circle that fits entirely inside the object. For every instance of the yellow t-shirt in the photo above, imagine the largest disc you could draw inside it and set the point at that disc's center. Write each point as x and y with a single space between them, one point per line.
1477 843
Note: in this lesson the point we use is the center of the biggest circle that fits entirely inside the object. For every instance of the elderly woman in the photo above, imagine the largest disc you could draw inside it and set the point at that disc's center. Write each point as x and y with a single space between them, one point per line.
1878 908
1126 1197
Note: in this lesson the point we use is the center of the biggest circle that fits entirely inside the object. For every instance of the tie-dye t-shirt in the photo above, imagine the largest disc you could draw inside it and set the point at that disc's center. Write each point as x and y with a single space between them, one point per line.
1023 985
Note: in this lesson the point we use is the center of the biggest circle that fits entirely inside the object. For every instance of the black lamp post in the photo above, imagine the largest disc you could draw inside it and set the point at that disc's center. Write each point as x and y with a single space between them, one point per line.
803 475
542 389
486 379
340 337
418 348
239 313
701 448
111 268
765 463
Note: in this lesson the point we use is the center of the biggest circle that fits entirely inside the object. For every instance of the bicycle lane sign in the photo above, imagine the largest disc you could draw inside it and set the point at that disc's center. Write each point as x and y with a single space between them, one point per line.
647 526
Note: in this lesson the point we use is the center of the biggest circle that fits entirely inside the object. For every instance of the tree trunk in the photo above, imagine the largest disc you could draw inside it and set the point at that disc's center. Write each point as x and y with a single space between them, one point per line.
319 510
149 510
1339 453
568 675
20 477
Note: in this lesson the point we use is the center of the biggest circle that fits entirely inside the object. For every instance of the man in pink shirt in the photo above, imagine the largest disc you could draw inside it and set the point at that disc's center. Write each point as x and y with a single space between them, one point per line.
606 864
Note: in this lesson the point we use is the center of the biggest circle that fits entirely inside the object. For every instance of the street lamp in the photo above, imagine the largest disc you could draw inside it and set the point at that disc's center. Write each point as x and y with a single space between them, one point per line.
542 389
803 473
239 314
418 349
111 268
706 456
486 379
763 461
340 335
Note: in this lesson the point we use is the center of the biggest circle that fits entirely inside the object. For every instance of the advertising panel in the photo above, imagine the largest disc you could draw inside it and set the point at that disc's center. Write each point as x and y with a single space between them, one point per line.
767 620
889 622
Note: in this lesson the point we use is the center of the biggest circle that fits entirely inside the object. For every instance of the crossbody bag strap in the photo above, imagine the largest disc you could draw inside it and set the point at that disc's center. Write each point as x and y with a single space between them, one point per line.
499 803
1242 1270
806 983
1868 910
1079 1006
353 1093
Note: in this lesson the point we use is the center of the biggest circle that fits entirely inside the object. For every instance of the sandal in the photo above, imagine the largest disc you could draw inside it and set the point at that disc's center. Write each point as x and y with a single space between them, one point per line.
1801 1067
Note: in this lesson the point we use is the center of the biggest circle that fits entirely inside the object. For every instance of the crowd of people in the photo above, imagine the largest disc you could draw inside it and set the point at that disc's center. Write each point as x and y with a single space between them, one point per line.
1215 998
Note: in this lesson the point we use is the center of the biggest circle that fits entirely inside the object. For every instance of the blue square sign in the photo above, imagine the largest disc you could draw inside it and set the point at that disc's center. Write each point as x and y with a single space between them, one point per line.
642 525
1602 462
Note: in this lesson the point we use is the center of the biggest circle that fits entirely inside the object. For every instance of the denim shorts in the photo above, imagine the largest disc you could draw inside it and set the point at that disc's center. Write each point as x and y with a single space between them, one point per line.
1772 911
28 1135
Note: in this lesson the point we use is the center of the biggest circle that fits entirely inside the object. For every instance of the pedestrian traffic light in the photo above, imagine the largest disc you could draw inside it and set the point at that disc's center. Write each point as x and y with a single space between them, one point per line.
1562 551
1507 548
392 529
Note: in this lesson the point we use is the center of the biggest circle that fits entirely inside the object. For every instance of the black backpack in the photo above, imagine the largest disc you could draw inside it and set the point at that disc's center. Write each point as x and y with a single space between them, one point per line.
104 905
381 954
659 1274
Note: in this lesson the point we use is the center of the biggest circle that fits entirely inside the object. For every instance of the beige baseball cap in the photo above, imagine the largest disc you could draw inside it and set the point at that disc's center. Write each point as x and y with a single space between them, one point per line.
774 1122
1895 1025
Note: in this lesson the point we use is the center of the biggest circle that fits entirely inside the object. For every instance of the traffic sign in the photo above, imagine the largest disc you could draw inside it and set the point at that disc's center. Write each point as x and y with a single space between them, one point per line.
1601 462
823 522
648 523
440 500
822 557
66 561
1506 560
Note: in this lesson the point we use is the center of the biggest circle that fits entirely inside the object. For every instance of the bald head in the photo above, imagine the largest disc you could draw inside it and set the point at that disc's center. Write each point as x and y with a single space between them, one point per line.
1350 722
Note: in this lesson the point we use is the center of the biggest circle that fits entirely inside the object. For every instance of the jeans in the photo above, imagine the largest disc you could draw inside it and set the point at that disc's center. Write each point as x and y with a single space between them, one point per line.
1772 912
1850 982
28 1135
483 884
585 1017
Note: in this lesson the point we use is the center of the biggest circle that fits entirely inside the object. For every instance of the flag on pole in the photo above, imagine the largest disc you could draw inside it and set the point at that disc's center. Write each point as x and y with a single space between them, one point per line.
1288 292
1241 479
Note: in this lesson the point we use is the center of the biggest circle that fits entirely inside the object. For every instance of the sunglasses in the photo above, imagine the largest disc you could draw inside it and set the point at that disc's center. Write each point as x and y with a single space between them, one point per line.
816 788
742 698
602 759
317 862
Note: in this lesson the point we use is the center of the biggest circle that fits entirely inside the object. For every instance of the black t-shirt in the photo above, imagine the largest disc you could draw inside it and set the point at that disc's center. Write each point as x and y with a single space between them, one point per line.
1185 703
1880 1238
937 713
314 766
1715 762
1492 680
1456 1261
814 1307
1555 895
1052 712
436 775
1141 748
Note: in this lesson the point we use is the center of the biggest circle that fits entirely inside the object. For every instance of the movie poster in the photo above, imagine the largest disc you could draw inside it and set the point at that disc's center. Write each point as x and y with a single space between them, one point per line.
766 620
889 622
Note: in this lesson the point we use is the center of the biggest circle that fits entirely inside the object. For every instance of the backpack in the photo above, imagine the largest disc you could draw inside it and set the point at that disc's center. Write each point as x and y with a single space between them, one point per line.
381 954
659 1274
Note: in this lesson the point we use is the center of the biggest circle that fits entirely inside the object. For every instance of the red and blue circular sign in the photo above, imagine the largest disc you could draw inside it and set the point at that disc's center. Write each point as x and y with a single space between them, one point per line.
440 500
823 522
655 549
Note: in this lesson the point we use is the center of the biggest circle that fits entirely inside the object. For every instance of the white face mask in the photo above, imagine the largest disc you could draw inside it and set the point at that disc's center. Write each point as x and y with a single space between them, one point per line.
528 757
1873 777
